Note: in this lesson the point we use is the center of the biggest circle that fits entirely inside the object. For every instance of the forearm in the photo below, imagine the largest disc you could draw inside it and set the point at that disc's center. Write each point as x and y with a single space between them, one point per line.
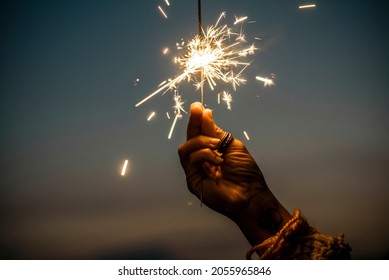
263 217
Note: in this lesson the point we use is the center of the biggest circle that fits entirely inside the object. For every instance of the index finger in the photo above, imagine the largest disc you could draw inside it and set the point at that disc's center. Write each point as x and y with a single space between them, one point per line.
194 124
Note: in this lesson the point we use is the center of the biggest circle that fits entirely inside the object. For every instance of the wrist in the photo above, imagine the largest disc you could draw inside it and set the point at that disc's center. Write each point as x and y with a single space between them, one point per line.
263 217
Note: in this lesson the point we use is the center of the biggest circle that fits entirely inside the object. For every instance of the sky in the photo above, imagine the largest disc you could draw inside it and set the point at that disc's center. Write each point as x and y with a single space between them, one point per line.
68 72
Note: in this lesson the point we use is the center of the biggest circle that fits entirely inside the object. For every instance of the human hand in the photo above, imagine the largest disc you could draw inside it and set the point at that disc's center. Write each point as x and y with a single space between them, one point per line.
229 182
225 182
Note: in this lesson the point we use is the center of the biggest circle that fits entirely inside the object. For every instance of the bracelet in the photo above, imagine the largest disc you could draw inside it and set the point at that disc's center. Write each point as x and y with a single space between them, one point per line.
298 240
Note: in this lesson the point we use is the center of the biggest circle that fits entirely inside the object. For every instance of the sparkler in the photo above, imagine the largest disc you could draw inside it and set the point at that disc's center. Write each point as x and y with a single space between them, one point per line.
216 54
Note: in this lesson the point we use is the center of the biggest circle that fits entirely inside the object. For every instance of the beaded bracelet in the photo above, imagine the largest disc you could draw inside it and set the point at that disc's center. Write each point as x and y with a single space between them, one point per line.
298 240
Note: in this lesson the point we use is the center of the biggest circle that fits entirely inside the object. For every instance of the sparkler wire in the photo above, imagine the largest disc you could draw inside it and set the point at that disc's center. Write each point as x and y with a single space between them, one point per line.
201 77
201 38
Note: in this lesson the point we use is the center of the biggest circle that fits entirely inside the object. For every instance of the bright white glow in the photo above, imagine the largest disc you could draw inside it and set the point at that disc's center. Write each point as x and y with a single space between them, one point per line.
162 11
165 50
172 128
307 6
124 169
167 2
239 20
266 81
218 54
151 116
246 135
228 99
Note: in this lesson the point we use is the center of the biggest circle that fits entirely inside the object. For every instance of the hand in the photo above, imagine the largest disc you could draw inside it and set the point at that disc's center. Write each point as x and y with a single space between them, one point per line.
225 182
230 183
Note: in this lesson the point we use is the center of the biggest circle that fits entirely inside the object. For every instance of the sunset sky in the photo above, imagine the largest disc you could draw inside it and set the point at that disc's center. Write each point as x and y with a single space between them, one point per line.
68 72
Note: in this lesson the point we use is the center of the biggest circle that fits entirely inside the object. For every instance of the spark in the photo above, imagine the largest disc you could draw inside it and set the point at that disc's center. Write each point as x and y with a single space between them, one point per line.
215 55
162 11
307 6
167 115
178 109
246 135
167 2
266 81
124 169
172 128
151 116
228 99
165 50
237 20
162 83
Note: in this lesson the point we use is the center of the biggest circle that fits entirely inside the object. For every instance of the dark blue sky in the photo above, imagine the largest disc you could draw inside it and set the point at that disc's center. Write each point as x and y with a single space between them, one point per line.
68 121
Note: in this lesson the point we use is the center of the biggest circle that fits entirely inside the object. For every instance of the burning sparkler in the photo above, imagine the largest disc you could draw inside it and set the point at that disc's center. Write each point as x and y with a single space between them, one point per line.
216 54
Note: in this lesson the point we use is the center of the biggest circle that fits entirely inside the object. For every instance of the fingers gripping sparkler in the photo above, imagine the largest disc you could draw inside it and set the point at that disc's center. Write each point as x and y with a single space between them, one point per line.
216 54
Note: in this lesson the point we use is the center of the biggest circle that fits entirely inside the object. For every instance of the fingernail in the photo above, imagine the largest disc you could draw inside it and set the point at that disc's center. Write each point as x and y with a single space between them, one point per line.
196 104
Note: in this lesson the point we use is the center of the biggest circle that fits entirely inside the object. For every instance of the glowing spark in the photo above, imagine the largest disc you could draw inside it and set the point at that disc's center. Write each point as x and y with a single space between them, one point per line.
178 109
228 99
222 15
162 83
307 6
151 116
218 98
237 20
167 2
165 50
167 115
246 135
124 169
172 128
266 81
162 11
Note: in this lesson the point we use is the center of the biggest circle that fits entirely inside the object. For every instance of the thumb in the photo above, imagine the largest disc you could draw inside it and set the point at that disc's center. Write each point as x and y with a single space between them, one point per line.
209 127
